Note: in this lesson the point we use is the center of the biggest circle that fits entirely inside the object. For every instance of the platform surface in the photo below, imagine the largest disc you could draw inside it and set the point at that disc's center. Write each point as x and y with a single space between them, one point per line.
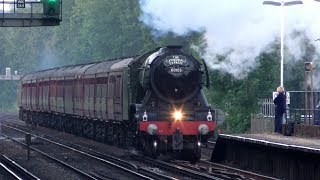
287 142
283 157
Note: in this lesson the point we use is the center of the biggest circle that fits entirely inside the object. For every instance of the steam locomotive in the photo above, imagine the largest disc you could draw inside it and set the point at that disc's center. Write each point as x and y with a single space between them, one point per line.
153 101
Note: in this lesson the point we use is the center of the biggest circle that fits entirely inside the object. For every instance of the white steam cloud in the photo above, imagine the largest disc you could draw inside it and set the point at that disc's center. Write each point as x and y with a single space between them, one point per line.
239 29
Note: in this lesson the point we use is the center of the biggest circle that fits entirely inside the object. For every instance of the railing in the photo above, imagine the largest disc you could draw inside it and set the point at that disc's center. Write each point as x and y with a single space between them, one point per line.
261 124
13 6
303 116
296 112
267 107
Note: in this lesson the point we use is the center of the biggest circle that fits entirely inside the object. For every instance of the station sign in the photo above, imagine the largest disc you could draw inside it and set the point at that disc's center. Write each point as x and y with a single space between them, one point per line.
275 94
308 66
21 3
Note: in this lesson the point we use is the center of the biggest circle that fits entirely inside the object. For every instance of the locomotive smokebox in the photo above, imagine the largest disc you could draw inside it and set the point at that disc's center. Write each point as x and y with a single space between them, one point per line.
175 76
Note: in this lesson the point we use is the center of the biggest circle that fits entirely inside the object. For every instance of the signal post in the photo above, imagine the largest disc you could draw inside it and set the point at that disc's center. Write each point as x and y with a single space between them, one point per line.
21 13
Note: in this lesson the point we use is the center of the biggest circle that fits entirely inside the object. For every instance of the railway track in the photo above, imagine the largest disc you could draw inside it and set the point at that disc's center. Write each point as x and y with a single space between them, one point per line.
146 173
175 168
14 170
211 144
78 171
120 166
222 171
231 172
202 170
143 170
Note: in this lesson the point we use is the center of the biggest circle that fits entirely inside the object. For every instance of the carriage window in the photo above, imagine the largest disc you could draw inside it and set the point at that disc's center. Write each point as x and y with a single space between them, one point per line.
111 85
118 87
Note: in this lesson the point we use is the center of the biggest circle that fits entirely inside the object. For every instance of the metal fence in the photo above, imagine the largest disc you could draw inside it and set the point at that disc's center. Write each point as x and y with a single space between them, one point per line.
261 124
267 107
300 110
304 107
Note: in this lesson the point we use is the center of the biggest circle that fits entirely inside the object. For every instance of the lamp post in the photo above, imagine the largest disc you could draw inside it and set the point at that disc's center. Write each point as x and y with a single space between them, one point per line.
282 4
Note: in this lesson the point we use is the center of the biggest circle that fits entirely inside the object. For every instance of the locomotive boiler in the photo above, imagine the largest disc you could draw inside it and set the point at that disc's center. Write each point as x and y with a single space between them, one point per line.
153 102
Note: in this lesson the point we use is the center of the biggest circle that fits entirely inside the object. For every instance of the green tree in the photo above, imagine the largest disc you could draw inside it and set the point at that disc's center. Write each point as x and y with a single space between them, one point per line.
239 98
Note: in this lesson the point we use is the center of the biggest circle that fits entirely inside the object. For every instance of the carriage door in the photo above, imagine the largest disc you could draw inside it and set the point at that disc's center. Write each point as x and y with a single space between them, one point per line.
118 98
104 98
110 98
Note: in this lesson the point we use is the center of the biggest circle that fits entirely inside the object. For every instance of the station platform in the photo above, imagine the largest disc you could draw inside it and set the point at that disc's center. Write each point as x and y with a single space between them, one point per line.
283 157
311 145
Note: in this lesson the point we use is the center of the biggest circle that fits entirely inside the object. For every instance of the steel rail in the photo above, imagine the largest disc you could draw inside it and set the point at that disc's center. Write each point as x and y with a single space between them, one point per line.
17 168
52 158
221 173
210 144
129 167
161 164
175 168
141 170
167 166
155 175
239 171
8 170
246 173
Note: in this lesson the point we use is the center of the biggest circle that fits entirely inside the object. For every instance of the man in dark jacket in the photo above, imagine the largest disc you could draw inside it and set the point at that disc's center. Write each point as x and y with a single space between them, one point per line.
280 102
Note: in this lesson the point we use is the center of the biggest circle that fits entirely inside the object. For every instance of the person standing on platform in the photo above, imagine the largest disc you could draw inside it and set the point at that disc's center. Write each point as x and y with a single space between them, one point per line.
280 102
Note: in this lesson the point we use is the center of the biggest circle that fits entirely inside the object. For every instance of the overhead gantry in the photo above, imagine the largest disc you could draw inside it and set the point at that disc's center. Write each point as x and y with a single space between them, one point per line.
30 13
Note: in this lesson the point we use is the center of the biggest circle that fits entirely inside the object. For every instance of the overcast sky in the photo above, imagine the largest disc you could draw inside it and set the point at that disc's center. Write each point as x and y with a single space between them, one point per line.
246 26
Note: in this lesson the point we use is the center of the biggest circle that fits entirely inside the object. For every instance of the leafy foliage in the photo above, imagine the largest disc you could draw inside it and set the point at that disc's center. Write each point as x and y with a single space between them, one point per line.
239 98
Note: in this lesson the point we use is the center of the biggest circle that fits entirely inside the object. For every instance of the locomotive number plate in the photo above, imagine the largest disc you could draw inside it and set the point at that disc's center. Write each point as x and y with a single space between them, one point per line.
175 61
177 141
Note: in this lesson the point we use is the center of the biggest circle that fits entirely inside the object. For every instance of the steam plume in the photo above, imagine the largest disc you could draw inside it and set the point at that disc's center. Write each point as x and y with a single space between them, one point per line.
240 30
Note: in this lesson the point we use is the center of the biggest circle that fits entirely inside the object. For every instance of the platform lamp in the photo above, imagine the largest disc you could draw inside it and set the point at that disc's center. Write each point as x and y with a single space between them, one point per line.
282 4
